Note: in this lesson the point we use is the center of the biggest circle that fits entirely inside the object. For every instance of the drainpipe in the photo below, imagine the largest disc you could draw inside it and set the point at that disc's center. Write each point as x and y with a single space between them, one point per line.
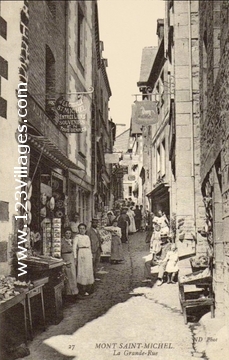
191 112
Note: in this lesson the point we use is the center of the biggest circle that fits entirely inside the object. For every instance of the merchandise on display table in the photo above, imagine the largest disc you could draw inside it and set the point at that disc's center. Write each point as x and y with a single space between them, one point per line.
199 262
47 236
56 240
42 262
10 287
199 275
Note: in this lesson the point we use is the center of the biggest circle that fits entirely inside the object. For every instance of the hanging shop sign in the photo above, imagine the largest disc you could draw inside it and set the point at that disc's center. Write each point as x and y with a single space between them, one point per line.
71 120
72 116
112 158
145 112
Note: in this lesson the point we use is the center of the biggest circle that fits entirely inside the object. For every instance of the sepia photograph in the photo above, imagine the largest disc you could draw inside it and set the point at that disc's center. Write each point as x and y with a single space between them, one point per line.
114 179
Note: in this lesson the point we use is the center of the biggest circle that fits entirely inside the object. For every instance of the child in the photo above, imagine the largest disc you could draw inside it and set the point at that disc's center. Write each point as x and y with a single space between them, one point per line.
172 264
155 242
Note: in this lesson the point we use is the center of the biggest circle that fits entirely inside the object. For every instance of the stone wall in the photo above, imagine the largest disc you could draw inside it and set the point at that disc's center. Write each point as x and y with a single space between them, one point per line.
14 49
189 202
214 100
48 32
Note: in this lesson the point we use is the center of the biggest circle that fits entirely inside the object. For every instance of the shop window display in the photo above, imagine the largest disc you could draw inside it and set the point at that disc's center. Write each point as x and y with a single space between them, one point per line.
48 209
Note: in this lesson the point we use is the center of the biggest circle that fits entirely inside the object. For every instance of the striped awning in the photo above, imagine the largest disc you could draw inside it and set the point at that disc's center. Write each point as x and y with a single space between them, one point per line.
50 150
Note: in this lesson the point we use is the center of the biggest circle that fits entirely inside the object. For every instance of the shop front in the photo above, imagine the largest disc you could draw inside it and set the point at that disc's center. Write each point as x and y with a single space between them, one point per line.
79 197
35 298
159 199
47 216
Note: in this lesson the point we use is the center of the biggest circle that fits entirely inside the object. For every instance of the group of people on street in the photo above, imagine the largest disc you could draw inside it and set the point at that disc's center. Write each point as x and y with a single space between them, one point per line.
130 218
164 253
81 249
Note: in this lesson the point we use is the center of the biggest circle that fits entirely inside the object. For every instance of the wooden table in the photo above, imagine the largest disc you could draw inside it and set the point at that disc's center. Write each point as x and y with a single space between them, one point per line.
8 304
202 295
52 289
38 290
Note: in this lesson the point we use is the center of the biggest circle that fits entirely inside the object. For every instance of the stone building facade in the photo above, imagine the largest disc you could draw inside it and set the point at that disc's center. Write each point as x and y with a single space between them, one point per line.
183 46
214 129
156 136
103 129
79 54
175 140
11 47
49 46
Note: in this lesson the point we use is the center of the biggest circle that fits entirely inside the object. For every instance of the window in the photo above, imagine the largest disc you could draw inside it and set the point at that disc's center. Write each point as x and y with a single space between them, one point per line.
3 108
4 211
3 68
80 36
130 191
50 83
82 146
162 88
163 158
158 159
3 28
101 94
204 75
83 205
216 37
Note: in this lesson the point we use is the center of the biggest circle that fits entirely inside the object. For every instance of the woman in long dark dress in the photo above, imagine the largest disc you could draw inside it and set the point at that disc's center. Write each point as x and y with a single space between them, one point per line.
69 268
123 223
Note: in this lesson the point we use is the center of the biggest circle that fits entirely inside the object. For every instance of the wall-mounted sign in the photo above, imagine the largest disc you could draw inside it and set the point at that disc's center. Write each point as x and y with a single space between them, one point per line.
145 112
72 117
111 158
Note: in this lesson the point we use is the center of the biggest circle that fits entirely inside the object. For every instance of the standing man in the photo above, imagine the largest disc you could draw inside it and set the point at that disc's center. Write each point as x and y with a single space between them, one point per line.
142 226
96 242
147 218
124 223
138 218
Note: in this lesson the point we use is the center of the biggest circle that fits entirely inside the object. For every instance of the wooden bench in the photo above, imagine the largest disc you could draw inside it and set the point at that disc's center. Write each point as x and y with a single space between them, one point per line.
201 295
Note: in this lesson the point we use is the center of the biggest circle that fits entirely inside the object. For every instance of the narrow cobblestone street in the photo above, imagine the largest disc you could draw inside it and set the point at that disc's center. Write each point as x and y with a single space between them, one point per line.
110 320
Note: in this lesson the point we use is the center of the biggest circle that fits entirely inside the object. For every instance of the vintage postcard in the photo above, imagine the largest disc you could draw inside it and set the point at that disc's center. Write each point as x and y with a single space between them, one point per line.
114 179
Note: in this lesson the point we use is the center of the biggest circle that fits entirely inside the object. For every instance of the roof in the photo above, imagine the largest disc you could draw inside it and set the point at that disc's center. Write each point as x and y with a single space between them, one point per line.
148 56
122 142
156 66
